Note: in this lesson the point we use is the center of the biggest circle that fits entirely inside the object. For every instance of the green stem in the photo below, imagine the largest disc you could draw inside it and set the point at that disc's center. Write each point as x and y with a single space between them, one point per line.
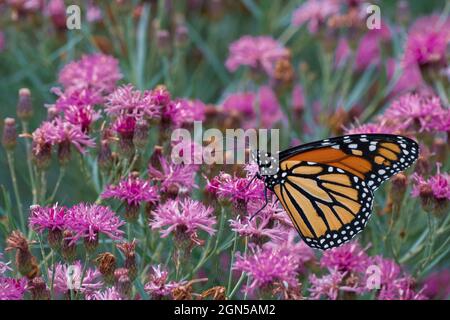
10 157
233 253
29 163
62 172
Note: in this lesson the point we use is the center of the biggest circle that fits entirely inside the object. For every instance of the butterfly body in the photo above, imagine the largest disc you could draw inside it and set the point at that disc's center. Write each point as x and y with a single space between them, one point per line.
327 186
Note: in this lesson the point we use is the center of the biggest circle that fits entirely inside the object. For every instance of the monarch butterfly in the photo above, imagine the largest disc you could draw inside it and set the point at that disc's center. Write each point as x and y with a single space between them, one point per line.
327 186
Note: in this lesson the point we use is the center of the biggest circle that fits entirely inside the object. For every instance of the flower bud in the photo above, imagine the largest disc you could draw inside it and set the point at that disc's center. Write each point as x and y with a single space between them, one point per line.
64 152
24 105
68 248
129 251
163 41
91 244
140 138
38 289
52 113
9 138
123 282
105 159
55 238
181 36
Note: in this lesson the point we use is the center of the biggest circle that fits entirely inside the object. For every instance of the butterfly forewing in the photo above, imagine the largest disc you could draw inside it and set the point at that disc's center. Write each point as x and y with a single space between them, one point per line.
327 186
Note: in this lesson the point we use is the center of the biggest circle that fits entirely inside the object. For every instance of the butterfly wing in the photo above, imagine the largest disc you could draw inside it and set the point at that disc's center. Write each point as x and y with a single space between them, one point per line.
327 186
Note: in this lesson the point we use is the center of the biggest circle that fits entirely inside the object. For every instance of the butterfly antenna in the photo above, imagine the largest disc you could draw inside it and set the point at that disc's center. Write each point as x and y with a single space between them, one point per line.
262 208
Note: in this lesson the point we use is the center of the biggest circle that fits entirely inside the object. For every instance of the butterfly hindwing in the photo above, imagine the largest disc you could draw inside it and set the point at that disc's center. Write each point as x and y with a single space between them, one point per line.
327 205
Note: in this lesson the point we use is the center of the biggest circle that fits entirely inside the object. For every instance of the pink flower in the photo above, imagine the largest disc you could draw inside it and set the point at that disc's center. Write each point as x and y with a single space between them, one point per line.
369 48
47 218
314 13
437 285
408 78
179 176
260 52
133 191
93 13
107 294
71 277
414 111
269 108
158 287
291 243
125 126
185 216
395 284
12 289
2 41
61 131
261 227
126 100
327 286
76 97
81 116
427 41
236 189
343 52
56 10
89 220
298 98
184 111
95 71
439 184
242 104
268 267
371 128
349 257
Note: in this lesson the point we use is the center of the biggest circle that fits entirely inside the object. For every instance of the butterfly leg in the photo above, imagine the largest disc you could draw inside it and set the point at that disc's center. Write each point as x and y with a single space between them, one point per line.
260 209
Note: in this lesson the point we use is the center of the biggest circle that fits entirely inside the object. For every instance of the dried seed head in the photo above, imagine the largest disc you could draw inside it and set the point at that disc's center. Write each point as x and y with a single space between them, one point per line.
106 263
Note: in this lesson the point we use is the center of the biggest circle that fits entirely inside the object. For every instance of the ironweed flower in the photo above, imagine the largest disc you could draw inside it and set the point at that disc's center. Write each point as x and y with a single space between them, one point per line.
434 192
95 71
70 277
107 294
87 221
260 52
437 285
314 13
415 112
268 268
4 266
427 41
184 218
174 179
329 286
349 257
52 219
184 112
126 100
125 126
158 286
133 191
12 289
